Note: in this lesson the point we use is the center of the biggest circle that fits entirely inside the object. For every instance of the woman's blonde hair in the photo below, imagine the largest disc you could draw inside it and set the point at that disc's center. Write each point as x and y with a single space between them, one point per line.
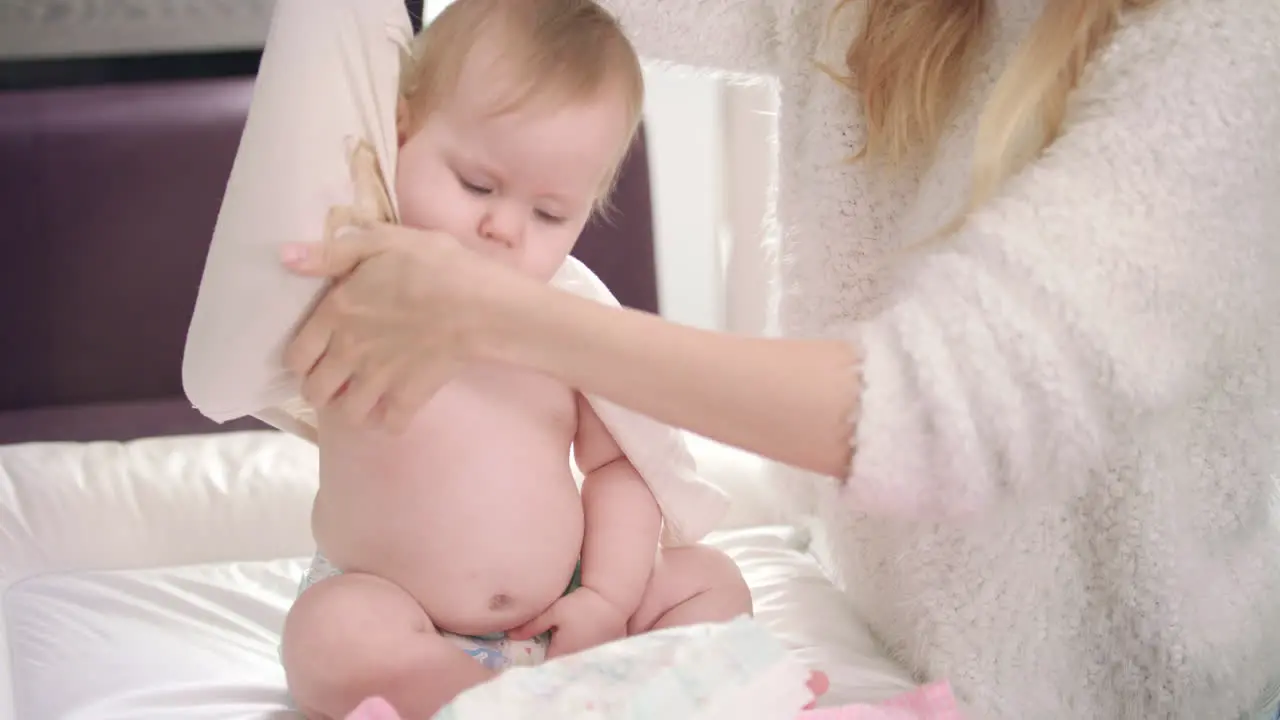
548 51
911 61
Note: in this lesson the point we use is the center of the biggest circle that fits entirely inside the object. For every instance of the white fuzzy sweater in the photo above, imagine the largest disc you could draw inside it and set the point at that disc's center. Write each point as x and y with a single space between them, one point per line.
1062 498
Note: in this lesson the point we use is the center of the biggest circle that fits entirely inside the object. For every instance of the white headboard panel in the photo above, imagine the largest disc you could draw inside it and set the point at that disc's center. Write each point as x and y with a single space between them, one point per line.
43 29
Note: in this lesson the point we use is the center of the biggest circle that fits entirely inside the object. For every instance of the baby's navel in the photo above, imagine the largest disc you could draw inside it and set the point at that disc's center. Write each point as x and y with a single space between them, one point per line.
499 602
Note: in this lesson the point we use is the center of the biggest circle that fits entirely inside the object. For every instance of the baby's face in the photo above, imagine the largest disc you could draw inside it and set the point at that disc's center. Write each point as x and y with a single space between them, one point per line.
517 187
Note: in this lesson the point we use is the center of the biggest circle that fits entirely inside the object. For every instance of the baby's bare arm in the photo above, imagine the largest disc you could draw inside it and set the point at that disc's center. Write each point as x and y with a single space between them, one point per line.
622 517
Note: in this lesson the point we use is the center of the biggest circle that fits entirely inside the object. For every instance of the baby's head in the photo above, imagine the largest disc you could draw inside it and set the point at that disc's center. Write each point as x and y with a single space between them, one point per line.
515 116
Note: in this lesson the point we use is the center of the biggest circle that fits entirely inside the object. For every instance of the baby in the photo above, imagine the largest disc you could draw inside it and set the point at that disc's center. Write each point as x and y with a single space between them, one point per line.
463 546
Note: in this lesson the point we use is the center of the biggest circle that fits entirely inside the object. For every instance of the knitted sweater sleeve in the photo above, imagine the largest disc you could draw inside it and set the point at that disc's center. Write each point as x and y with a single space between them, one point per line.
731 35
1133 267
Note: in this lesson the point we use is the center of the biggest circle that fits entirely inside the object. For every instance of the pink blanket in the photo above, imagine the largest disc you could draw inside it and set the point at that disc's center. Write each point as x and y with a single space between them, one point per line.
931 702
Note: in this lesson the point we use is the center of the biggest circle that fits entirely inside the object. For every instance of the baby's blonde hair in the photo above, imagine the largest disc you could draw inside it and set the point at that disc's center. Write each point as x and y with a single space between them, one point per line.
910 64
552 51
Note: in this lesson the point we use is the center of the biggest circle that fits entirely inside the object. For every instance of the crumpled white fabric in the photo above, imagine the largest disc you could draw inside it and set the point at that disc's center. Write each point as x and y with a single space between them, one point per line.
328 81
722 671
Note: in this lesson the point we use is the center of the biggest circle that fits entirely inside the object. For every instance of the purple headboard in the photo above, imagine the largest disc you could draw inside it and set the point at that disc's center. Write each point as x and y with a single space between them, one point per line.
110 195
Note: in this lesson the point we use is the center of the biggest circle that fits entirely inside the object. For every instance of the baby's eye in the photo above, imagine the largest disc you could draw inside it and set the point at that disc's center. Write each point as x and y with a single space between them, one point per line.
473 188
549 217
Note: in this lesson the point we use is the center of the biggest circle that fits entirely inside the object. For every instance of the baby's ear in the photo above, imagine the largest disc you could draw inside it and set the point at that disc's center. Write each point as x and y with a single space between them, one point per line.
404 120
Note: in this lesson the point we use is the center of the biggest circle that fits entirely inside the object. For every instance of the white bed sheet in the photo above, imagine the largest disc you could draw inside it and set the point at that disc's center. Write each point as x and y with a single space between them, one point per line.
150 579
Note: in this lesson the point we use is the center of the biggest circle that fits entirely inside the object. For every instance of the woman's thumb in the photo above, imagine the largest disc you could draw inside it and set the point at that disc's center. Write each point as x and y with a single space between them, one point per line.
333 258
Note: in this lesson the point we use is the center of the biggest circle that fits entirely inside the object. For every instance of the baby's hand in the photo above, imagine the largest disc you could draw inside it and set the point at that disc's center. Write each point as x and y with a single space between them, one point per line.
580 620
374 708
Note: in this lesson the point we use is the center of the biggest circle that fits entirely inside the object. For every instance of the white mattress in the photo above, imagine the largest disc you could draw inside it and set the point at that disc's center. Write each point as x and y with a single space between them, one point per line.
150 579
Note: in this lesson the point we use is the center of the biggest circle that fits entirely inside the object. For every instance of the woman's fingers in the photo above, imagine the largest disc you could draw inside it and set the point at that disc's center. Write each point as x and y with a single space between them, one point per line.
326 379
397 413
360 402
383 339
335 257
414 389
309 344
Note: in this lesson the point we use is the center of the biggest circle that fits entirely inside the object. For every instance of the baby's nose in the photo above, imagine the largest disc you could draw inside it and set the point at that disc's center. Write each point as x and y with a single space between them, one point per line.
505 226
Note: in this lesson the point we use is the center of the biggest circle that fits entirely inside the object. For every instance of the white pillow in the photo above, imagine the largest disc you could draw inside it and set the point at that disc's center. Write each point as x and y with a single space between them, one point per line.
328 79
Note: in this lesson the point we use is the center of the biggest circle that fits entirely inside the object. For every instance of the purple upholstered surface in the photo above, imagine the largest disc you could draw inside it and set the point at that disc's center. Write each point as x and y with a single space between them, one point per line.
110 195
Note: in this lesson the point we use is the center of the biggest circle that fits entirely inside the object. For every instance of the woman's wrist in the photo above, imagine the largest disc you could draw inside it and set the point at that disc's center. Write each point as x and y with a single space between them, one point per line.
504 310
788 400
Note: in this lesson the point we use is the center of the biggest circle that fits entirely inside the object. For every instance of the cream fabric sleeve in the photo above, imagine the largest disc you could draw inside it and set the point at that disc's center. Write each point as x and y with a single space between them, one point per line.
321 117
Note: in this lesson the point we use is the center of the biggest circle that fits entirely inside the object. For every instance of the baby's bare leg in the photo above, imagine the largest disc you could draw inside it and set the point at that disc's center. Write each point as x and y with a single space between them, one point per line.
691 585
354 635
696 585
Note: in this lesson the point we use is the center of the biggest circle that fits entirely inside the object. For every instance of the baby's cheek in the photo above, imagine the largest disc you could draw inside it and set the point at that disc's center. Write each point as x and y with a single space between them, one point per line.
422 196
543 268
409 191
433 206
550 253
543 265
414 214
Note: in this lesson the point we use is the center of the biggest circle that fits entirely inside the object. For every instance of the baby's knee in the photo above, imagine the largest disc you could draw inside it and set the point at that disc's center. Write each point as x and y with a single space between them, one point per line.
342 644
716 574
725 577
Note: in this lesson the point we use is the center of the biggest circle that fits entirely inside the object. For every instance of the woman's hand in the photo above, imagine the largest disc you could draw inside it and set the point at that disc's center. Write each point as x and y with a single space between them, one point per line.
392 329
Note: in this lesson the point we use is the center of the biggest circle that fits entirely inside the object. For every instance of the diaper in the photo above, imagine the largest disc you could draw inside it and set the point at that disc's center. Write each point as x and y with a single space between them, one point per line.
494 651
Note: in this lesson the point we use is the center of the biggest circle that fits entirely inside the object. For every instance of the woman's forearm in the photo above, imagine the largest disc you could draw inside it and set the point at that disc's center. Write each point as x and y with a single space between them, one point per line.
788 400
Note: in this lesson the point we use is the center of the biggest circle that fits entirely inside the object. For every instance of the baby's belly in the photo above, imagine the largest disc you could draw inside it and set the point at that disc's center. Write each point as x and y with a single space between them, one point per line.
484 532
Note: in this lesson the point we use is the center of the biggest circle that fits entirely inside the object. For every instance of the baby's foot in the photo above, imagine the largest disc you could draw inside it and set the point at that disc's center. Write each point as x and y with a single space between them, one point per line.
818 683
374 708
